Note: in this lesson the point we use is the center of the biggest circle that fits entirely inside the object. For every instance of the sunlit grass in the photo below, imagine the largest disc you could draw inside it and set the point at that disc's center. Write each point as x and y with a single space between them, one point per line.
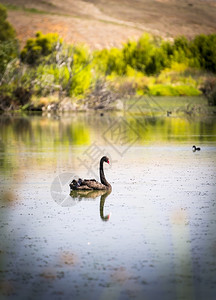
173 90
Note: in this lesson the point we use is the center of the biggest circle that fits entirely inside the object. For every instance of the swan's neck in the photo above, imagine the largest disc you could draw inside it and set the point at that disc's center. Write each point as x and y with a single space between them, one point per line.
102 176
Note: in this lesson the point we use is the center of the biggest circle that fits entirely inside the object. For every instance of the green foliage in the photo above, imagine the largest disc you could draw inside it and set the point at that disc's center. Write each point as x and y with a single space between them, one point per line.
7 32
128 54
8 52
142 54
66 70
110 62
181 44
151 56
8 44
50 68
39 47
173 90
204 49
81 82
27 9
157 62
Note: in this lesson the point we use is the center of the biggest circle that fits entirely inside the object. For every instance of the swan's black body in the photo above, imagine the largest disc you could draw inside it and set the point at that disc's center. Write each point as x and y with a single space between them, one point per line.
92 184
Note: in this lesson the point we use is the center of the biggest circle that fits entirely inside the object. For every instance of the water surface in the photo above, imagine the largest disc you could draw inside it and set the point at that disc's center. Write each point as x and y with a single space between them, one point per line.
152 237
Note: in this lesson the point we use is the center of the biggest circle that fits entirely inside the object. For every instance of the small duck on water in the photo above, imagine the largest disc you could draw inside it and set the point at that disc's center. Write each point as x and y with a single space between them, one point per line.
194 148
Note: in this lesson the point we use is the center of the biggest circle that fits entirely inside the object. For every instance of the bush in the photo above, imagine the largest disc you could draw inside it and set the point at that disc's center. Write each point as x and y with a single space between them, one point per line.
203 47
150 55
7 32
67 71
158 61
8 52
39 47
110 62
8 44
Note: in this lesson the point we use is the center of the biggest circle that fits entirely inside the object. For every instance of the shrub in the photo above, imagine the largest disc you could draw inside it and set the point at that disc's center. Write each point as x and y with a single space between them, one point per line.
39 47
139 56
7 32
8 44
203 47
110 62
8 52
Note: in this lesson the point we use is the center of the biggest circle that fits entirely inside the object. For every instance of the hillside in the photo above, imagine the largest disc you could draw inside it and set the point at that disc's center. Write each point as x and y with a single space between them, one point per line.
101 23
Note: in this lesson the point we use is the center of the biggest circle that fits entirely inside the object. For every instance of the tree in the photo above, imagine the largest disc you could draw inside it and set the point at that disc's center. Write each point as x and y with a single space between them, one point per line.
8 43
204 48
39 47
158 61
7 32
143 52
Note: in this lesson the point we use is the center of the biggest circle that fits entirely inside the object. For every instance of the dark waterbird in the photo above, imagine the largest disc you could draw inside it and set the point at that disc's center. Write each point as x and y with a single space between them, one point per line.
92 184
194 148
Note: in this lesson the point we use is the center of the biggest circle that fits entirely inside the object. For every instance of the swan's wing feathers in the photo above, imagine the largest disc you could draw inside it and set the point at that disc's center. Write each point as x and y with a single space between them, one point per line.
95 185
79 185
87 184
84 187
89 180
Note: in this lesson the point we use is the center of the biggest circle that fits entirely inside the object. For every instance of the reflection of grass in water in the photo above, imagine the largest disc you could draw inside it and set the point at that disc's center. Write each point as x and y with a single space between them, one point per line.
34 134
40 132
164 129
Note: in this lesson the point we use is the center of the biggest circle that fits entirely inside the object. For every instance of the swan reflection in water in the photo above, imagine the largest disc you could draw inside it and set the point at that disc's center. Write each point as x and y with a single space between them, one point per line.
92 194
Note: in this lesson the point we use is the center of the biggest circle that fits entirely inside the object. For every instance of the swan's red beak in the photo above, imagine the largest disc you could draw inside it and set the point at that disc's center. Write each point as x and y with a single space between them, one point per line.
108 161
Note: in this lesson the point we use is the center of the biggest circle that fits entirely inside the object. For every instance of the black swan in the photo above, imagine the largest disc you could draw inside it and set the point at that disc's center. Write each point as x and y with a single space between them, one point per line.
194 148
92 184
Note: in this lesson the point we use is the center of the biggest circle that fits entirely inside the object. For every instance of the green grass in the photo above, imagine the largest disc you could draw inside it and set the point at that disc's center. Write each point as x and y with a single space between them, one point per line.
173 90
163 104
30 10
23 8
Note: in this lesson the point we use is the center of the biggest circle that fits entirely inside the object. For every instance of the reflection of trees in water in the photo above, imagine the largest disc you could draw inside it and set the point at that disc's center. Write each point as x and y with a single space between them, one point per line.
174 128
20 127
2 155
23 128
79 129
13 129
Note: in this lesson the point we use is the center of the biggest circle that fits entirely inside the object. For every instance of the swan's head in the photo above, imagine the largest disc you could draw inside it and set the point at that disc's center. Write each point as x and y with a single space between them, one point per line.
106 159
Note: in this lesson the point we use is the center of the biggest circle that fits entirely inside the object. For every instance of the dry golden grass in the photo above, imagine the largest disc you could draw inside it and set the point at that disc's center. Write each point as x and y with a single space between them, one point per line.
101 23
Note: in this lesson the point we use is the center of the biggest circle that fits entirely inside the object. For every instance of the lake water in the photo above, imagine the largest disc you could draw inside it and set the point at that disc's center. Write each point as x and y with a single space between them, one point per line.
152 237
